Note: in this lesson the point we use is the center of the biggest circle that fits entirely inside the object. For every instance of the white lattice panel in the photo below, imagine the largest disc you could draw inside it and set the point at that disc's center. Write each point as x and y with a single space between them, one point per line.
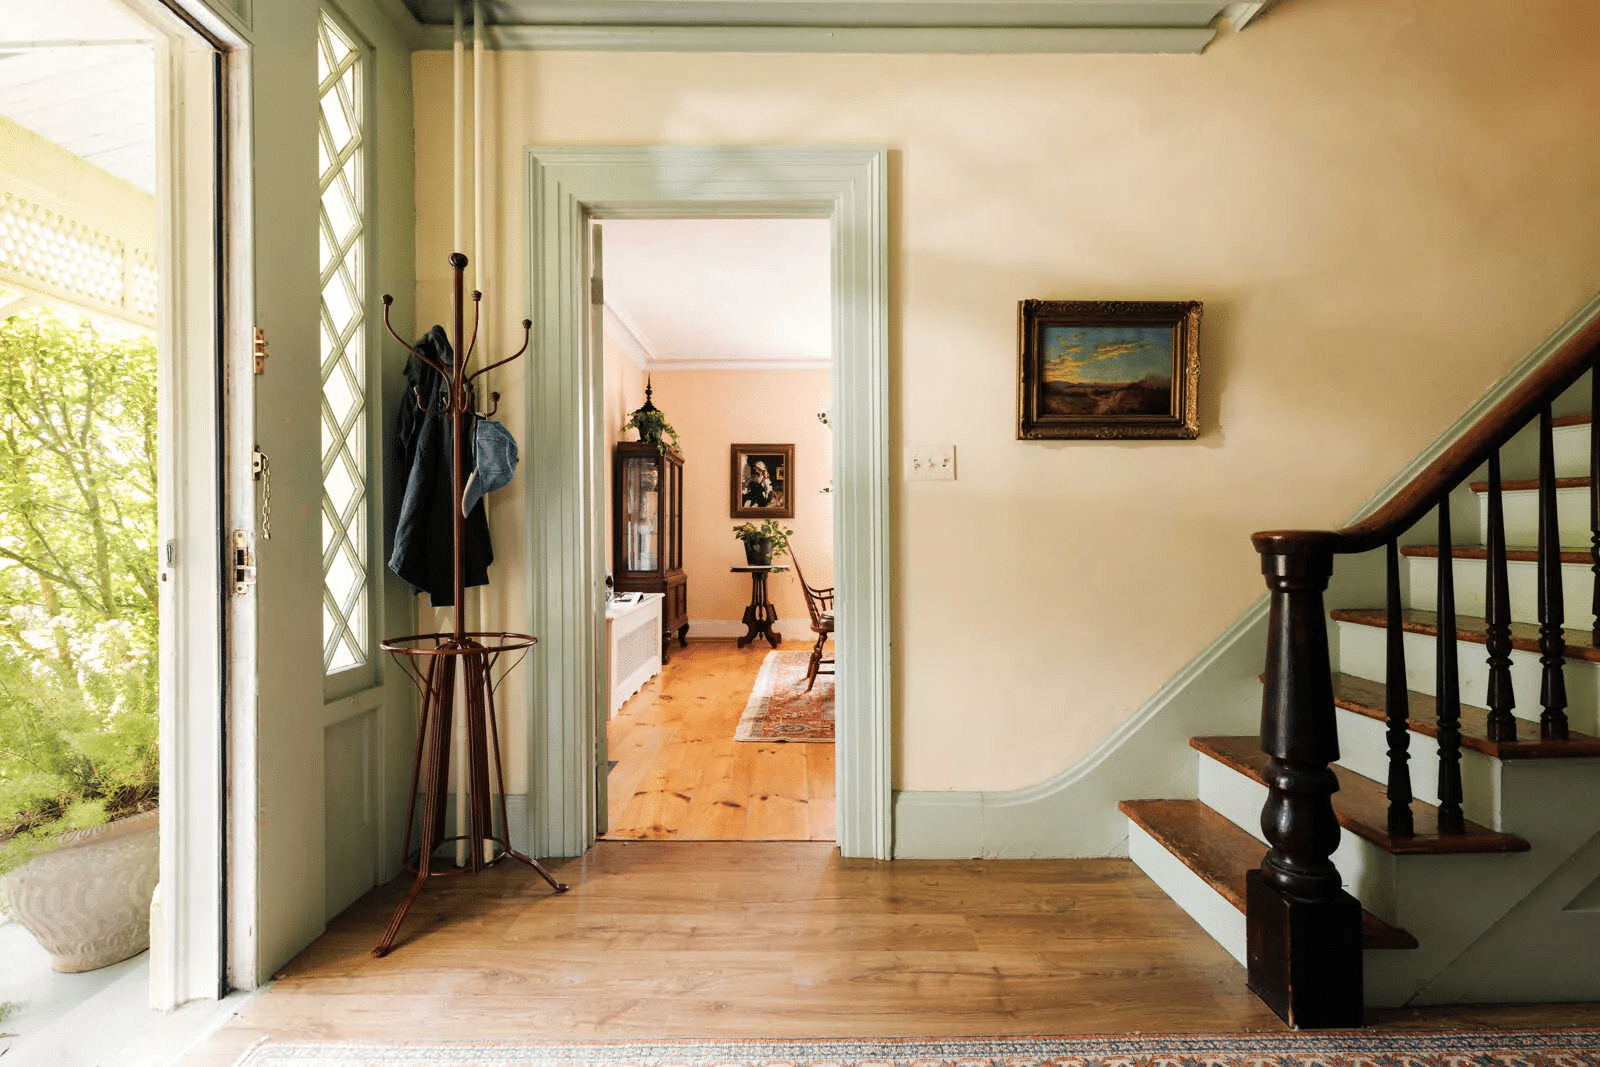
341 233
45 250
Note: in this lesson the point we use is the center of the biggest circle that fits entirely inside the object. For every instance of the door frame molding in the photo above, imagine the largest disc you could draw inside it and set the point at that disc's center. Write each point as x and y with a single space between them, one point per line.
566 187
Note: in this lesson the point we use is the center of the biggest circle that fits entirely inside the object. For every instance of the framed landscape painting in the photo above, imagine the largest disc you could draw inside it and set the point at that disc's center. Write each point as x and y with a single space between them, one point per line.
1108 369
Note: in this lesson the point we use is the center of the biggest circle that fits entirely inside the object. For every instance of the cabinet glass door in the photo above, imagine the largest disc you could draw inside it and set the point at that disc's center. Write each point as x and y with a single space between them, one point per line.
641 501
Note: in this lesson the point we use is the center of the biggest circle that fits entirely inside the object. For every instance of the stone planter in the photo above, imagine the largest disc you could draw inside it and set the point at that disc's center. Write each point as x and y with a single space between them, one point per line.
88 901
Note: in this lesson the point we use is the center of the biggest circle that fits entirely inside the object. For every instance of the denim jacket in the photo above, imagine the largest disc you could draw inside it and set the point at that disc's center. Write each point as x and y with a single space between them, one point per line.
423 535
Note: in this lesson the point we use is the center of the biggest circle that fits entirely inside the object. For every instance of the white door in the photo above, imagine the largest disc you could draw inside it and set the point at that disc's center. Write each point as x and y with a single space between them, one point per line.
320 723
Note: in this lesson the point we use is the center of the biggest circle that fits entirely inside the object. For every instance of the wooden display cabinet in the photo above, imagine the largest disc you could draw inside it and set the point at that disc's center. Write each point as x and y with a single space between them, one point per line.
647 532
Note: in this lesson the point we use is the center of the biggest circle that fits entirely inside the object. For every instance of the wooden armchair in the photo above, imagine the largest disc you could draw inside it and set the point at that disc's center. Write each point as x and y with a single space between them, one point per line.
819 602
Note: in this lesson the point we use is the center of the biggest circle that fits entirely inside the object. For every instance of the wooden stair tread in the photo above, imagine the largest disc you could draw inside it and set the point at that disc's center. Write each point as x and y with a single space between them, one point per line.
1580 419
1363 807
1524 635
1222 854
1366 697
1513 555
1522 485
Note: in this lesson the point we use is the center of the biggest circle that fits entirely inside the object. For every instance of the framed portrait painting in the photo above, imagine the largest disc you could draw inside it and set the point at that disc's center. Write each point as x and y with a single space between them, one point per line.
1108 369
760 482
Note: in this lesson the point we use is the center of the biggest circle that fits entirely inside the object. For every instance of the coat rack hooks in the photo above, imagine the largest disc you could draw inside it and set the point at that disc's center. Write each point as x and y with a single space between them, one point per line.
431 659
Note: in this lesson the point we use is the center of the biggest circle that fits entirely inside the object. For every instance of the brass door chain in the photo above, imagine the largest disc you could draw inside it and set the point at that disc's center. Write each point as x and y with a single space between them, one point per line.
261 471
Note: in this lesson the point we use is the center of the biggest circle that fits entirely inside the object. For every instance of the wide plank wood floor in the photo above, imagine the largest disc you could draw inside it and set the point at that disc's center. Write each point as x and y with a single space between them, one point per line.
662 939
680 775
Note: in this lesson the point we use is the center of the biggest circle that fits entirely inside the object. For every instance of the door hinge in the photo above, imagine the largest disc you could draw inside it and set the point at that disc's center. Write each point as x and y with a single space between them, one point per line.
597 290
260 351
244 564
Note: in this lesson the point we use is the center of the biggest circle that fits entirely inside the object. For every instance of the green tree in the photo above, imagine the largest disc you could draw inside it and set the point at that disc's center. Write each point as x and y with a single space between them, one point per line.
78 599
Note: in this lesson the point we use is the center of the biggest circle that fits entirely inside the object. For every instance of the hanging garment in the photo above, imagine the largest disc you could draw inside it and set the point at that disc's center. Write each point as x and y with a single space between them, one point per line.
494 461
423 535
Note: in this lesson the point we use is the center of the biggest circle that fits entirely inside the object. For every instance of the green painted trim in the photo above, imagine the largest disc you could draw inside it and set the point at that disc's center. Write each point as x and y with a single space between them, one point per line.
932 40
1074 813
1004 13
568 186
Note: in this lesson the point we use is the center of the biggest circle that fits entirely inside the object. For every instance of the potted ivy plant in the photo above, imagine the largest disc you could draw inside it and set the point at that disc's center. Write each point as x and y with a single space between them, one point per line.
763 543
653 426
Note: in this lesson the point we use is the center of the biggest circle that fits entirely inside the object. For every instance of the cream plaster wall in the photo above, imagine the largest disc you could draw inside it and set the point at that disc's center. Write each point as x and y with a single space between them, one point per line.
1383 203
714 409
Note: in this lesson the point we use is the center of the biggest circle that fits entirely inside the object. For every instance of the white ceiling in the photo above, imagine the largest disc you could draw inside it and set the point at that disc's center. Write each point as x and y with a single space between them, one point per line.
74 72
695 294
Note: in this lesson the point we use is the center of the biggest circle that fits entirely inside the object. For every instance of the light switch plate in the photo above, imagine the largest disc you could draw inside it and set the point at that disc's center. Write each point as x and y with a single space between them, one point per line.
931 463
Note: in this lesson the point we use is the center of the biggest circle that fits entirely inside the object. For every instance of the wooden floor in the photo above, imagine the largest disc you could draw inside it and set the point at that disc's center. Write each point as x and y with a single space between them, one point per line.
680 775
660 939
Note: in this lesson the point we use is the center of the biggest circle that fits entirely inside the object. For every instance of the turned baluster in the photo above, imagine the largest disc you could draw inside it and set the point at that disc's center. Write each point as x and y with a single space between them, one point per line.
1552 645
1594 498
1397 704
1447 684
1497 609
1303 929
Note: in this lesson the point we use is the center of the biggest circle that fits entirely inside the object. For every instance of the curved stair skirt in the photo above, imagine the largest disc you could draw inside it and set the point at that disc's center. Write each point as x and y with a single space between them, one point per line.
1510 926
1074 813
1519 925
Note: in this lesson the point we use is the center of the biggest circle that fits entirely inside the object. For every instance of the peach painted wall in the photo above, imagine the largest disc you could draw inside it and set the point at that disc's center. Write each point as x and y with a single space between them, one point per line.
714 409
1385 204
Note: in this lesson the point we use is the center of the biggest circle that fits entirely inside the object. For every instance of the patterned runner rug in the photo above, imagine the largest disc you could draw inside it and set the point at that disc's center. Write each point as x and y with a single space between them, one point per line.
780 709
1366 1048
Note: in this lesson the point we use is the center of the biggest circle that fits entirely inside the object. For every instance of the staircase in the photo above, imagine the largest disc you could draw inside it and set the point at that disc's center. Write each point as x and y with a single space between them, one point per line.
1473 859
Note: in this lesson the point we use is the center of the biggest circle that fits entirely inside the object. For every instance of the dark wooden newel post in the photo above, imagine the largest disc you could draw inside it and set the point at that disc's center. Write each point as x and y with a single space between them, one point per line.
1304 930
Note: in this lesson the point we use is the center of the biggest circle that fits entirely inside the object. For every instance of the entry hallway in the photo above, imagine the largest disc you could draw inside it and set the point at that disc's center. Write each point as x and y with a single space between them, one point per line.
680 775
748 939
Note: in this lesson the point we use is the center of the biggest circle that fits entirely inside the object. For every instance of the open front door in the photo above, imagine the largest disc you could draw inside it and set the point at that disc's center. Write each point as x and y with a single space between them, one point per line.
321 725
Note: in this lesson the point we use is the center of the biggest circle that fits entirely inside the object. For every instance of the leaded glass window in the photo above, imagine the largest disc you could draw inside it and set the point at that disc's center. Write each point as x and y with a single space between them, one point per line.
341 162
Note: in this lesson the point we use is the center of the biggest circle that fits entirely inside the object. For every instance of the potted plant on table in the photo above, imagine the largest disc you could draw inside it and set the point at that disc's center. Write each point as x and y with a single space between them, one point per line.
763 543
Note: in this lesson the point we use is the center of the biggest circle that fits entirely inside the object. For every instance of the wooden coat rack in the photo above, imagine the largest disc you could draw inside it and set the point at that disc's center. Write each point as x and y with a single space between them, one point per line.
433 660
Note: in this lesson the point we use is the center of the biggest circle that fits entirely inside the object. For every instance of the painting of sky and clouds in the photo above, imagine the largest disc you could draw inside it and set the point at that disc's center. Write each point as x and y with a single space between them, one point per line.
1107 370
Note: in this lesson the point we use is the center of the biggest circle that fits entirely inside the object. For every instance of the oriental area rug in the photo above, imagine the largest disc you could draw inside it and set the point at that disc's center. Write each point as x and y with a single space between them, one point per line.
1364 1048
780 709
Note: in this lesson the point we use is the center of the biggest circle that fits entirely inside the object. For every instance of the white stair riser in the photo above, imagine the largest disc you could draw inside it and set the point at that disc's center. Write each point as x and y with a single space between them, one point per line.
1362 652
1571 451
1522 579
1224 922
1364 748
1522 516
1368 871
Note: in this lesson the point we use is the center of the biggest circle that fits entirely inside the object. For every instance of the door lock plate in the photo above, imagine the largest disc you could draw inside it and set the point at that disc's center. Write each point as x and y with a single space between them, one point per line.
244 564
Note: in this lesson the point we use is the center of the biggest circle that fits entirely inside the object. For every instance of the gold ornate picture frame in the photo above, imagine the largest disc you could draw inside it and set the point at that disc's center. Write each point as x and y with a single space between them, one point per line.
1107 369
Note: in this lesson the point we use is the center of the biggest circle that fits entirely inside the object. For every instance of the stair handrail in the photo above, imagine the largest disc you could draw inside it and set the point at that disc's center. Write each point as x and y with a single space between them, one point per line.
1304 955
1499 424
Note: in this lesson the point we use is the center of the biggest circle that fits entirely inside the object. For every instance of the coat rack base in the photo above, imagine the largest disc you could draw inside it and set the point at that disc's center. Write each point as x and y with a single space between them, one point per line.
435 662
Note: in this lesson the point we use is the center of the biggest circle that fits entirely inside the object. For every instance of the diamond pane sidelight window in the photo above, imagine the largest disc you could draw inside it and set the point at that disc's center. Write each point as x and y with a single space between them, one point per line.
340 152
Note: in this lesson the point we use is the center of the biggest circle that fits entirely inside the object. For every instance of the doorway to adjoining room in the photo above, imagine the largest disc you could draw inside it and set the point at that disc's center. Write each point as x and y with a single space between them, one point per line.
717 357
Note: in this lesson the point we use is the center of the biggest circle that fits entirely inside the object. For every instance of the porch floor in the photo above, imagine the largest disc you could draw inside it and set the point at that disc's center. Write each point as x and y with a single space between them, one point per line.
756 939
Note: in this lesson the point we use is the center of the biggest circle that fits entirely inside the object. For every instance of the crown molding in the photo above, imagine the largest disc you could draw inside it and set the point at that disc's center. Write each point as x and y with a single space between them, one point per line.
926 40
628 338
664 366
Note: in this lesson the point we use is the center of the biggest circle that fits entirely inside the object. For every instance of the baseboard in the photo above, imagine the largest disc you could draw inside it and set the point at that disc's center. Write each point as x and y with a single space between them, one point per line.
728 629
517 806
1074 813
